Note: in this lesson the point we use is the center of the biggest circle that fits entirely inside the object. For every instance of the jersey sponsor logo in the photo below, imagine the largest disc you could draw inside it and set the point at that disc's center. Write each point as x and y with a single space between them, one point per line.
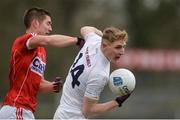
38 66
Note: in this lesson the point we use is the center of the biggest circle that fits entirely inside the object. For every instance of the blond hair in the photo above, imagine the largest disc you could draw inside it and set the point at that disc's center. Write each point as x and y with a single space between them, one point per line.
112 34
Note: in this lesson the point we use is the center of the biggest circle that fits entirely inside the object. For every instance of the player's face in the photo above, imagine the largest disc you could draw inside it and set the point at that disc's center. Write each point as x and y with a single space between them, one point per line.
116 49
45 27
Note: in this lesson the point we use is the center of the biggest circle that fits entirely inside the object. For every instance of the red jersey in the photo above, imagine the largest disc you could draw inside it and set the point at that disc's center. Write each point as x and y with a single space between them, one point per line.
26 71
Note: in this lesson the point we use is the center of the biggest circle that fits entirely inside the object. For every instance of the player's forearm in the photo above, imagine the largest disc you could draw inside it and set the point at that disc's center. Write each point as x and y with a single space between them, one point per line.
99 32
104 107
52 40
100 108
45 86
61 40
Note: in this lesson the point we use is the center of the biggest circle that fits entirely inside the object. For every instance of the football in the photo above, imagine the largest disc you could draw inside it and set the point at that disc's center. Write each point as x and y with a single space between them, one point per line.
122 81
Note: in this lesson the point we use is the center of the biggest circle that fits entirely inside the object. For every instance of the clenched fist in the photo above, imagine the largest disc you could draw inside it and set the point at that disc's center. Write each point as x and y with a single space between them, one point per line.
57 84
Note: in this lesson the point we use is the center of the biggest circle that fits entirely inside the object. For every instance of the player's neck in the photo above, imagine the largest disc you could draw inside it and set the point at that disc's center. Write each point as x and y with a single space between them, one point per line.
105 53
31 30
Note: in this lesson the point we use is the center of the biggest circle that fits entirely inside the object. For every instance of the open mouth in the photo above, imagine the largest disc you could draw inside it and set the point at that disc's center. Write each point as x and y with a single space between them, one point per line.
117 57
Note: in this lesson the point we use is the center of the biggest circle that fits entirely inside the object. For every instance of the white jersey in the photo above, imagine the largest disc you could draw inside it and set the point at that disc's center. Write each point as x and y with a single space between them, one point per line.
87 77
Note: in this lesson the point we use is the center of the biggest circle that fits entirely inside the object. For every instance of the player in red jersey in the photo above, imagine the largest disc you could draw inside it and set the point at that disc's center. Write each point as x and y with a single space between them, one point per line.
27 65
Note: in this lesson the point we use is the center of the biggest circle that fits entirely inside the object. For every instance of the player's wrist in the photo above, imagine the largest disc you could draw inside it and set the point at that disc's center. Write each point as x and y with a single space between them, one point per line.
80 42
121 99
119 103
79 39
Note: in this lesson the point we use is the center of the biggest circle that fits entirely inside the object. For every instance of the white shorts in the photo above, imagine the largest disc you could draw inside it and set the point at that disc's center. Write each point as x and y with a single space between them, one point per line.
71 114
10 112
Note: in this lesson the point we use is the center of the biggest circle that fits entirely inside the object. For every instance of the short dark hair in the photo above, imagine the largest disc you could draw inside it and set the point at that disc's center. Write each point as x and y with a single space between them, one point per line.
34 13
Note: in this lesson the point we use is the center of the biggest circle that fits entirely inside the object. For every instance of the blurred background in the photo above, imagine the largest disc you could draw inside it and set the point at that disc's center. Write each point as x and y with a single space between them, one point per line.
152 54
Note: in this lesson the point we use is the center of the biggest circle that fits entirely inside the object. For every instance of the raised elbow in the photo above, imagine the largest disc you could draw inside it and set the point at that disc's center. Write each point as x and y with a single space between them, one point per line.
83 30
86 29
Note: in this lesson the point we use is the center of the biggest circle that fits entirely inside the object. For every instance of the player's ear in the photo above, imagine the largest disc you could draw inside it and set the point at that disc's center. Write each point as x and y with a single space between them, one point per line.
35 23
105 43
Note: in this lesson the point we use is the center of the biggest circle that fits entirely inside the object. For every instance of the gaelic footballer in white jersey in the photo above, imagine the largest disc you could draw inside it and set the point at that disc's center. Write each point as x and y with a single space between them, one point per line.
87 77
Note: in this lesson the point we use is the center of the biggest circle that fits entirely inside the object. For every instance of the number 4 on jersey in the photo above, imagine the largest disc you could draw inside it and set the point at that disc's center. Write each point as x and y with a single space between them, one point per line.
76 71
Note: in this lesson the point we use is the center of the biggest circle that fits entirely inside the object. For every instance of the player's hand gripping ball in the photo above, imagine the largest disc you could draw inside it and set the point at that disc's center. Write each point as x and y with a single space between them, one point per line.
122 82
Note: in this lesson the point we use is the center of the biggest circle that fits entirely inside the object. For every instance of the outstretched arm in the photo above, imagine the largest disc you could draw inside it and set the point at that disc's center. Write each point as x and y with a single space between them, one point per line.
51 40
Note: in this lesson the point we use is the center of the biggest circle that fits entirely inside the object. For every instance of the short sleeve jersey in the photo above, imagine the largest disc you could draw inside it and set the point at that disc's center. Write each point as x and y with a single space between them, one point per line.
27 68
87 77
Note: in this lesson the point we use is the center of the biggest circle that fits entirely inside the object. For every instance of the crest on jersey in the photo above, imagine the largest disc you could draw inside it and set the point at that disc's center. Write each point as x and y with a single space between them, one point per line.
38 66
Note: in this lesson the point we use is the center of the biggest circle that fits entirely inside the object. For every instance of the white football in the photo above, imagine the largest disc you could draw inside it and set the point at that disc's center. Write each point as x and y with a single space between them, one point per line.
122 81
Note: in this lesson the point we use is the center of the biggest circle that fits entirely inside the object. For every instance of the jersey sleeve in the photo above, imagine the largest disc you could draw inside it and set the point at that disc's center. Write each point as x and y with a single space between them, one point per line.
27 42
95 86
92 37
